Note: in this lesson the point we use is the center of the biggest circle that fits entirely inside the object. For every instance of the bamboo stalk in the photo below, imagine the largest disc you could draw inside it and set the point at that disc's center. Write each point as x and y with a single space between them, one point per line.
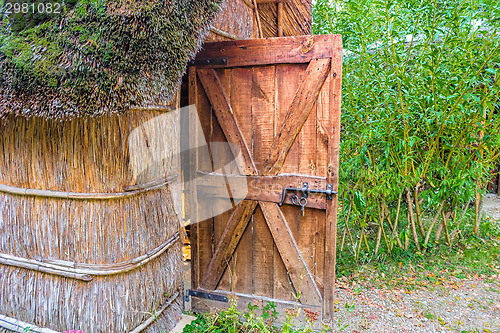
129 191
412 220
257 14
15 325
155 315
224 33
434 220
418 213
85 272
446 228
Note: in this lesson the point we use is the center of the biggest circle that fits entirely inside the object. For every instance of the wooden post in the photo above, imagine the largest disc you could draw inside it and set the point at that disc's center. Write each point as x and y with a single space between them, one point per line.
280 19
333 178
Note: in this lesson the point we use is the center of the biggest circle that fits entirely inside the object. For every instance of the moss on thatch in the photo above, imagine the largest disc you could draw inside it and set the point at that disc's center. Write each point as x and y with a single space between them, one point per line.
97 56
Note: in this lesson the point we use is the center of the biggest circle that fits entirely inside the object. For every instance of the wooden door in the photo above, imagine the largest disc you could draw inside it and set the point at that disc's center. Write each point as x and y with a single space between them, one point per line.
278 101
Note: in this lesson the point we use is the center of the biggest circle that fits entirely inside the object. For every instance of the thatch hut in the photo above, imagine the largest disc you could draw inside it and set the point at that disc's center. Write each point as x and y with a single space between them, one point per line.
89 238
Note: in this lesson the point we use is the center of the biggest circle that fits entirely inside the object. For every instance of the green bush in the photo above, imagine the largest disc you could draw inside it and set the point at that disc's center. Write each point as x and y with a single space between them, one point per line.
420 125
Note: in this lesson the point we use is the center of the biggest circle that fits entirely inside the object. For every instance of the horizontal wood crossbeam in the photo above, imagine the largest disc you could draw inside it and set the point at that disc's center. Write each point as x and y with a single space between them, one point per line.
261 188
268 51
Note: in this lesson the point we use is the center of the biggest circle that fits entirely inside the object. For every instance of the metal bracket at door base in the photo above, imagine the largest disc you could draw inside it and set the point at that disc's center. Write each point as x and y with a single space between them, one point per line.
205 295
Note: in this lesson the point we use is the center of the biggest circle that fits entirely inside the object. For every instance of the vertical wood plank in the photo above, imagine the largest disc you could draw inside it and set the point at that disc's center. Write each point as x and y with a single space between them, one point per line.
288 78
204 229
332 177
192 195
241 102
322 123
307 224
221 156
263 108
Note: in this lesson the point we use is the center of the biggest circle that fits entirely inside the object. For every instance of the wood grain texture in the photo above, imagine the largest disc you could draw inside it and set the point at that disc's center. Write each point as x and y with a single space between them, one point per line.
263 188
288 126
231 235
240 97
288 79
225 115
263 105
221 158
333 178
300 274
297 114
268 51
203 230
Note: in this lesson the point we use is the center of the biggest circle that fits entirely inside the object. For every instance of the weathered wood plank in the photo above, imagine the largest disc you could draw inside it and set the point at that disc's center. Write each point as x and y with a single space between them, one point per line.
221 156
229 240
268 51
240 101
263 105
262 188
225 115
289 76
201 243
323 119
307 223
333 178
298 271
297 114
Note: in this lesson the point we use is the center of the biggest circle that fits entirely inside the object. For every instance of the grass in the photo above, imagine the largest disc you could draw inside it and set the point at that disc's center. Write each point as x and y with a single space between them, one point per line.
471 256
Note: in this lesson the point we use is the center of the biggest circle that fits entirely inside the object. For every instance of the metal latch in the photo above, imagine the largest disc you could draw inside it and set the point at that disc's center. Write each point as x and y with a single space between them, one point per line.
305 190
205 295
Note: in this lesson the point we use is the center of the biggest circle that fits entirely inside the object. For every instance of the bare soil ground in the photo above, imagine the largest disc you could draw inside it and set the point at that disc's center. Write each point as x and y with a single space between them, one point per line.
457 306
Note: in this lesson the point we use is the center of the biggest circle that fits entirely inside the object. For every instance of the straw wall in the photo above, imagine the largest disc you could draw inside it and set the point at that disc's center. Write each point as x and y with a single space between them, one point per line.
96 155
297 18
234 21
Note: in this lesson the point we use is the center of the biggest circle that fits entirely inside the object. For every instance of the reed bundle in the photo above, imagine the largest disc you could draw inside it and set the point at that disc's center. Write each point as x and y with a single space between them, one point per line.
130 244
234 21
297 18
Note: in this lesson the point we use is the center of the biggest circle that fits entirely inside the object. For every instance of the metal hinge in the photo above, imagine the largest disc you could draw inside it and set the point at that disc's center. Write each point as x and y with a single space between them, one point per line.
205 295
208 62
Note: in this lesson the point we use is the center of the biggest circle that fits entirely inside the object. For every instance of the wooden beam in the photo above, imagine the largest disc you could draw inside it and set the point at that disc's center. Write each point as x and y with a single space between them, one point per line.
297 114
231 235
332 177
227 121
261 188
271 1
298 271
267 51
280 19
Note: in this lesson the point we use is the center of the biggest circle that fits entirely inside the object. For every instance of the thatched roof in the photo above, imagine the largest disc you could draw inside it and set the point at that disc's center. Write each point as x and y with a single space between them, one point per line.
98 57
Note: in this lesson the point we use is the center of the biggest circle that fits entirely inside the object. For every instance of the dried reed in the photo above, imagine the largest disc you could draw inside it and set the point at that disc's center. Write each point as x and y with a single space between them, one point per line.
88 155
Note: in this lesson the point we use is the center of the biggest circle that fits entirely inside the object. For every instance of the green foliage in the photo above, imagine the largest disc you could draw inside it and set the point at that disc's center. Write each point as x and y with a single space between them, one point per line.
257 318
420 125
97 56
468 257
